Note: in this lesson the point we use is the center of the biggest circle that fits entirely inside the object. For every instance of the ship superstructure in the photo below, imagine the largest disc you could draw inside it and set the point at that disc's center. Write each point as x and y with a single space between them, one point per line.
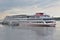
37 19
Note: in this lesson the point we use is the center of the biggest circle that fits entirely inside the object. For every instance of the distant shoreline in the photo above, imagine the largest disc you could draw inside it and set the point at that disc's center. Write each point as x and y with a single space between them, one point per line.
57 18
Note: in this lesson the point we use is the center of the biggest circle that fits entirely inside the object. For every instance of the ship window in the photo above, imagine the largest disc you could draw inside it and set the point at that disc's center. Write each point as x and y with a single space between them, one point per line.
46 16
33 19
38 22
49 22
48 19
27 16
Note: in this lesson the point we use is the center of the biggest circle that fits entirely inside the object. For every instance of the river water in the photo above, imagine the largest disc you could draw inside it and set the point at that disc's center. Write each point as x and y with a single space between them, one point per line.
30 33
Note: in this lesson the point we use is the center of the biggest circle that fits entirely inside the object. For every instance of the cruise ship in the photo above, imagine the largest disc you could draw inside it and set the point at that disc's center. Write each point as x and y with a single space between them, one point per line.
39 19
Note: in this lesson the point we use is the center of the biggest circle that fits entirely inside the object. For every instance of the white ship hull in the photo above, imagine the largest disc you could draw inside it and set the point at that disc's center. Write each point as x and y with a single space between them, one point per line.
38 24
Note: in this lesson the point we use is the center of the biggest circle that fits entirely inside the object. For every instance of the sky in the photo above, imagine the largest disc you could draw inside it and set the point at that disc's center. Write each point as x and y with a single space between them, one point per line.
14 7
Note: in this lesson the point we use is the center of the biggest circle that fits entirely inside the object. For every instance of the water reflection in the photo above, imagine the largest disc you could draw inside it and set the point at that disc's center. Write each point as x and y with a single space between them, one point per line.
26 33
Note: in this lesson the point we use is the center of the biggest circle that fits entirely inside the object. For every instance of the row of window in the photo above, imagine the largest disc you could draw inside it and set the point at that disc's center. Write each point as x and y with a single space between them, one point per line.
32 19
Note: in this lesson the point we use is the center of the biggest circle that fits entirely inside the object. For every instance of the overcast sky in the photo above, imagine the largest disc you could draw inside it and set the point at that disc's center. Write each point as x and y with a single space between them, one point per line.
11 7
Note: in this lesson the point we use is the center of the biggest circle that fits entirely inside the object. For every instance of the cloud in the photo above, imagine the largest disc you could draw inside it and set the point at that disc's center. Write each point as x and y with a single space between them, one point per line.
54 11
12 7
8 4
26 10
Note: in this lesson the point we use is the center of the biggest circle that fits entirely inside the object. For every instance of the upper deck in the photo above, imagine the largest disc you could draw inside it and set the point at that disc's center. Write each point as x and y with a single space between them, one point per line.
37 16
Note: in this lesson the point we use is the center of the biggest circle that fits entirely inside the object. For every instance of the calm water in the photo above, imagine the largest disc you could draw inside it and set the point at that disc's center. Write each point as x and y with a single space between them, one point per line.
29 33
